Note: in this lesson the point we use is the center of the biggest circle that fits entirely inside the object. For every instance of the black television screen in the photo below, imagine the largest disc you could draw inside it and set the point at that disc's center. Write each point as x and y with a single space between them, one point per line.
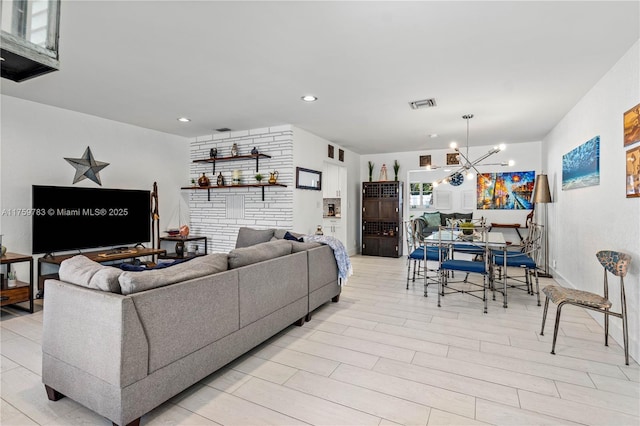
71 218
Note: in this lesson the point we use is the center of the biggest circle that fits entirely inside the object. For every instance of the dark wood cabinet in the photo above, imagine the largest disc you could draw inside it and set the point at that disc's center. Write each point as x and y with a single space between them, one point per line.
382 219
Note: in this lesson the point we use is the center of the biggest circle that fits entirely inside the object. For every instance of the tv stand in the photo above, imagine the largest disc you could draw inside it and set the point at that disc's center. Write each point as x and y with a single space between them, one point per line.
99 256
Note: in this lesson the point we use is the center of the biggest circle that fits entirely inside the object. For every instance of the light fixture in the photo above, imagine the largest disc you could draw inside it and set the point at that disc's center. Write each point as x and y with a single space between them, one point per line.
467 166
309 98
184 119
542 195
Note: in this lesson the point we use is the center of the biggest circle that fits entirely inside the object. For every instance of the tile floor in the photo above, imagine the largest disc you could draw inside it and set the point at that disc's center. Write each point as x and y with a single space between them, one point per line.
381 356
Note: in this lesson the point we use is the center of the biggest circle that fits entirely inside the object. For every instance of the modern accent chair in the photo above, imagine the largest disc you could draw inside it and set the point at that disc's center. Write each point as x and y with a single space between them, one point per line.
614 262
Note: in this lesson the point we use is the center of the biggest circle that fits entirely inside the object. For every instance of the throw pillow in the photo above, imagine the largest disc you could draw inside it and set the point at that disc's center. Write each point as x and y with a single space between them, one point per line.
247 255
280 233
250 237
466 216
82 271
432 218
454 223
135 282
445 216
159 265
291 237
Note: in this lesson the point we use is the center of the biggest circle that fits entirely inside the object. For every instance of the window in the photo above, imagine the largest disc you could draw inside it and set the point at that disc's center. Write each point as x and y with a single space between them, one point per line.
420 195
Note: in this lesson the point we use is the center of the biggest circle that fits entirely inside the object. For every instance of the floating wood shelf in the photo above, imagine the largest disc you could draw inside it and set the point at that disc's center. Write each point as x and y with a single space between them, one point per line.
236 158
248 185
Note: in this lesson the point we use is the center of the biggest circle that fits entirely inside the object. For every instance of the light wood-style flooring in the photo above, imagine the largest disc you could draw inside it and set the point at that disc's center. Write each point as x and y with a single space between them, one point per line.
383 355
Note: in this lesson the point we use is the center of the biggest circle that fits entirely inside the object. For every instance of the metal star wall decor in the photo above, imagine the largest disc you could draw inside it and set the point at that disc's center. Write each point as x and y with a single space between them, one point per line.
87 167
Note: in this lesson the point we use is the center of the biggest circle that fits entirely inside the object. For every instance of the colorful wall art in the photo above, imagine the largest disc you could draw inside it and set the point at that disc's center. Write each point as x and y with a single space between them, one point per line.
581 166
505 191
632 126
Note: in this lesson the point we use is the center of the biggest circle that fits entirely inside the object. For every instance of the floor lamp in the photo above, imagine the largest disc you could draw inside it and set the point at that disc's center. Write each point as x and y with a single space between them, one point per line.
542 195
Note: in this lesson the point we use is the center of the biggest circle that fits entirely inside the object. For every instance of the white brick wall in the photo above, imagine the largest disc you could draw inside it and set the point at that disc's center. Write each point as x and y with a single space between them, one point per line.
209 218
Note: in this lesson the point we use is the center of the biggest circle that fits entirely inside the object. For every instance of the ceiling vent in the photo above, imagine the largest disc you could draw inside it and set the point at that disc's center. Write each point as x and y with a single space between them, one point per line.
425 103
223 129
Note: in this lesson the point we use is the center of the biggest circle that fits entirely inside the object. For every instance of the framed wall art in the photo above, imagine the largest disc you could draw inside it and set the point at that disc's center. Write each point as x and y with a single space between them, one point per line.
453 158
633 172
341 155
505 190
581 166
632 126
425 160
330 151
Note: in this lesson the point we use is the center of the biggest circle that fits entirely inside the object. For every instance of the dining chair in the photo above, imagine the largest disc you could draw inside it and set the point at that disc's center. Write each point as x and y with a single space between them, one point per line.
522 256
474 245
613 262
417 253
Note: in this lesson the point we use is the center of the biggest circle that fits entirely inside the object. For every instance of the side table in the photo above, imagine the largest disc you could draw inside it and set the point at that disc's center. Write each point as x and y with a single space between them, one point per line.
177 238
23 291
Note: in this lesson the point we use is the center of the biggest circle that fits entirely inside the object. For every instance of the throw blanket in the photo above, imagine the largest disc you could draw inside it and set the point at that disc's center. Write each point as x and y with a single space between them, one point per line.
342 258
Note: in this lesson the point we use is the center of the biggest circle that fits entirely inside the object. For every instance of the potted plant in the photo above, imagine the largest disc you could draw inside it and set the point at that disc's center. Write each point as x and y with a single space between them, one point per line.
259 177
370 170
467 227
396 167
11 279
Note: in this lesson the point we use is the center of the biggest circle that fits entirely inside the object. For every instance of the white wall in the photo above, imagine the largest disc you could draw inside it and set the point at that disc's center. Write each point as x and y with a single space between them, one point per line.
527 156
586 220
310 152
37 137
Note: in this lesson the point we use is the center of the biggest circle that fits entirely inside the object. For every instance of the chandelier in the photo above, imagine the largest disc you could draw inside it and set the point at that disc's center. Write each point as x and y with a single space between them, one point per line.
466 165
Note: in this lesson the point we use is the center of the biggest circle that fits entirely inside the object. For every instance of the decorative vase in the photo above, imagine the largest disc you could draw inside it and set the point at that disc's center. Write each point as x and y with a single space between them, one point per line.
203 180
3 250
213 152
220 179
319 230
254 151
234 150
383 173
184 231
11 283
273 177
236 177
180 248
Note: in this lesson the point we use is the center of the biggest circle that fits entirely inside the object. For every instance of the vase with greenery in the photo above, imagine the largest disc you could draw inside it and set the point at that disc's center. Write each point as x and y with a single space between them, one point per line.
396 167
371 171
467 227
259 177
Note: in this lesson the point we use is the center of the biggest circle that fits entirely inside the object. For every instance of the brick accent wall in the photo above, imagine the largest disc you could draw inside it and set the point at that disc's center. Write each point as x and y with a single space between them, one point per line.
212 218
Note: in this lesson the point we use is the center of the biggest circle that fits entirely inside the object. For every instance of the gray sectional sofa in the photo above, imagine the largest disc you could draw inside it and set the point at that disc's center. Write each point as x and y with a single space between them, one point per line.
121 355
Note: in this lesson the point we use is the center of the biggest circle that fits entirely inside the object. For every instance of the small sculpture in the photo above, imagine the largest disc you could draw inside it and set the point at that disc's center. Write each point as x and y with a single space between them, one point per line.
234 150
319 230
254 151
203 180
273 176
184 231
383 173
213 152
220 179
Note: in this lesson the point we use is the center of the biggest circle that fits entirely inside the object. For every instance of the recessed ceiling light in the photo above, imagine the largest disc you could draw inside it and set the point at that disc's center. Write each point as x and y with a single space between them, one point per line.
309 98
433 135
184 119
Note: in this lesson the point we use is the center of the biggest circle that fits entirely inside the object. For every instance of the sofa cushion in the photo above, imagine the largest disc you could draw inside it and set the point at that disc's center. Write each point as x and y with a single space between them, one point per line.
82 271
297 246
432 218
247 255
249 237
134 282
467 216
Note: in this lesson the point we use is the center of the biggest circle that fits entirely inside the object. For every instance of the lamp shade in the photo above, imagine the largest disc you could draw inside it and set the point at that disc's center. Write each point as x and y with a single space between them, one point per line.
541 193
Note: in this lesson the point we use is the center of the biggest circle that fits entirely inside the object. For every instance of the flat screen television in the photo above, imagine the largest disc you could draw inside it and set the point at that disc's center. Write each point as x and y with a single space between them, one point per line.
73 218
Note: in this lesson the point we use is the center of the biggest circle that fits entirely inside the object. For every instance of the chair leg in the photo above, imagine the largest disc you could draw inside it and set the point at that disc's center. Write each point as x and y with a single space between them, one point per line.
555 329
544 315
535 273
606 327
625 336
440 284
408 271
484 292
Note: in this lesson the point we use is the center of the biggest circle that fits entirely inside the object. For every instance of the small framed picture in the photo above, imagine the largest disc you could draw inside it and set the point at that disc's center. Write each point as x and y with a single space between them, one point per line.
341 155
633 172
330 151
425 160
453 158
632 126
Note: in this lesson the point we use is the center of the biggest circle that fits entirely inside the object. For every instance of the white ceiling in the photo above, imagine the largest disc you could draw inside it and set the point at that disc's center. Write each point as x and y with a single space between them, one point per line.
519 67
